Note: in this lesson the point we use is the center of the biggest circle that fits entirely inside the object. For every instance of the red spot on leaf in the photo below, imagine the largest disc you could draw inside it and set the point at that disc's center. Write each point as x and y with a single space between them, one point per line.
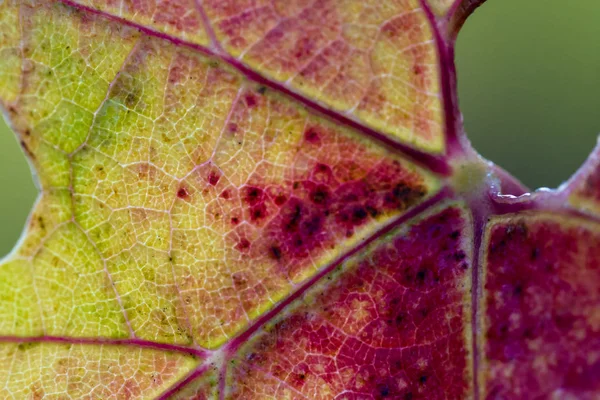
243 244
280 200
418 69
253 195
320 211
311 135
182 193
250 100
213 177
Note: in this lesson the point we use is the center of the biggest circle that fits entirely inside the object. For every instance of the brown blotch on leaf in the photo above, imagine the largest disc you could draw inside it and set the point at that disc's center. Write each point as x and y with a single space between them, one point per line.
27 150
239 281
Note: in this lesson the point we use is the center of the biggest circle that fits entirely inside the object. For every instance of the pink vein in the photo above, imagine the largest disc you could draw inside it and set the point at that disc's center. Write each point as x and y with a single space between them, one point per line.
207 25
109 342
166 395
447 80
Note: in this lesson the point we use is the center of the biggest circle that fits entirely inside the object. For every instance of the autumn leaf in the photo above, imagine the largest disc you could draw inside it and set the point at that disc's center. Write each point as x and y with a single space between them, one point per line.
277 200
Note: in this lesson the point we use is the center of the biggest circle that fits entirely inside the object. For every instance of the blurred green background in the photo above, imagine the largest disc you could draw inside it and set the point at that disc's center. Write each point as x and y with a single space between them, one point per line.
529 89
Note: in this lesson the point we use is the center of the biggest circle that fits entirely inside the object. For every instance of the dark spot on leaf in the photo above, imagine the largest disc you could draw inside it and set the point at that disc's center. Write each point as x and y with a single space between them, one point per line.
213 178
27 150
358 215
399 318
253 195
243 244
535 253
275 252
182 193
258 212
384 390
250 100
239 281
312 136
320 195
518 290
130 100
280 200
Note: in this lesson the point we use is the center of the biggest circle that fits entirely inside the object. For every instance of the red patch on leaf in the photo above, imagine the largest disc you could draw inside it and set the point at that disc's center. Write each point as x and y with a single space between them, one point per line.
311 135
213 178
542 288
243 245
374 332
182 193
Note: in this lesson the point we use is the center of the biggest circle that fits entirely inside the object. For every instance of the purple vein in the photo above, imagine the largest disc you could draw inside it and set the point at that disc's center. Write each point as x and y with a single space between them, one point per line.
207 25
109 342
222 380
480 216
232 346
458 13
167 394
435 163
447 80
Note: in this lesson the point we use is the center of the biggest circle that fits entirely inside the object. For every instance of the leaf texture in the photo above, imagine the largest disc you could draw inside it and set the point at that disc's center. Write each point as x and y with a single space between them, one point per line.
254 200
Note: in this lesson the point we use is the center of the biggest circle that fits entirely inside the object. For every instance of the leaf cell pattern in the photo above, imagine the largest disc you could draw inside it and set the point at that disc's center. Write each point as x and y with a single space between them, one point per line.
267 199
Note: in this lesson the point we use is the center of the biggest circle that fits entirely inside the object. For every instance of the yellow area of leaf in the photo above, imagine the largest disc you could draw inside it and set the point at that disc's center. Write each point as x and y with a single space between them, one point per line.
179 18
78 371
204 387
441 7
374 62
10 57
179 201
584 188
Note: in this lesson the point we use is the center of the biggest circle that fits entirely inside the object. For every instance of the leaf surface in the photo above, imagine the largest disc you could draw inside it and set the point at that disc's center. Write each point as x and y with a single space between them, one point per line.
277 200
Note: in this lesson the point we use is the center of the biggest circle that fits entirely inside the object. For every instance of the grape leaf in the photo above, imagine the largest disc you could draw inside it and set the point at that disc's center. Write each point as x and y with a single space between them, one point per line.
264 199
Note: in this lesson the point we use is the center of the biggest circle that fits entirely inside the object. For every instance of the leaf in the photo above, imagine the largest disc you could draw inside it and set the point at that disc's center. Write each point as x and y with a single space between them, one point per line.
277 200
